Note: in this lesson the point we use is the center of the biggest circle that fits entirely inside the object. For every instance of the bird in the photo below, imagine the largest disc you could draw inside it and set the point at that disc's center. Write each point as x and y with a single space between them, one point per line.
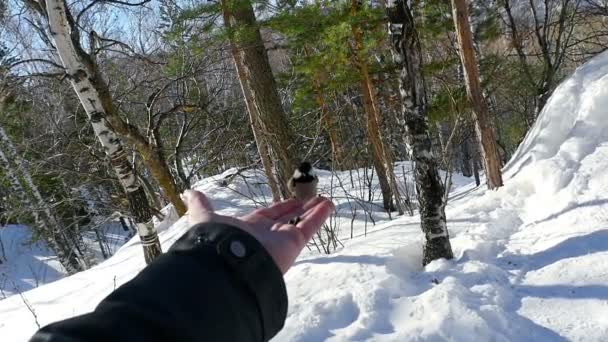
303 185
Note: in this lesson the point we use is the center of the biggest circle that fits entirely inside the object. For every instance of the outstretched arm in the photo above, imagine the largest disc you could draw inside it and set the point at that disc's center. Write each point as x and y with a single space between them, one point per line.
221 281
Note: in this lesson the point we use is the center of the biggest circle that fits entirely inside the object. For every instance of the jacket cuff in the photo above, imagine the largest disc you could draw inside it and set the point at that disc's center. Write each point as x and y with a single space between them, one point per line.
249 262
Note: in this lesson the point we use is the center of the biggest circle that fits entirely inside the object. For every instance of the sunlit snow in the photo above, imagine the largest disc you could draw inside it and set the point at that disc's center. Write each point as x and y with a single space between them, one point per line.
531 259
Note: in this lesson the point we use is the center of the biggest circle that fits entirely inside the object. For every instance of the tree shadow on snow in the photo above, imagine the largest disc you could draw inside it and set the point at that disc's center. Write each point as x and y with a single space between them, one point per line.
572 207
563 291
569 248
348 259
36 273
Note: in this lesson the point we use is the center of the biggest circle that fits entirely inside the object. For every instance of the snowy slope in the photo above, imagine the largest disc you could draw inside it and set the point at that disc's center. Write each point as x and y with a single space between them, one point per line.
25 265
531 258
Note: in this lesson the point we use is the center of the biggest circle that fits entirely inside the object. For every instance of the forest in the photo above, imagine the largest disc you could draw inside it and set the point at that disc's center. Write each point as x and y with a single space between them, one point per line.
110 109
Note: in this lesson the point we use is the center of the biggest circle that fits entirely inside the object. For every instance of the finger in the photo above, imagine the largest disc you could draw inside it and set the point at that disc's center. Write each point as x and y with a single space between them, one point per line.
300 211
311 205
313 202
199 207
314 218
277 210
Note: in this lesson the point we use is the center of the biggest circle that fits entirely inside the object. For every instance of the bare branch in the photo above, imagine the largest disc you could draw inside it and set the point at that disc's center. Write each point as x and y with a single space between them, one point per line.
36 60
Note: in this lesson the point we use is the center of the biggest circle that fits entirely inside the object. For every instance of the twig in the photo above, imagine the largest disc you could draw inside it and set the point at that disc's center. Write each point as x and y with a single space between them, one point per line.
27 304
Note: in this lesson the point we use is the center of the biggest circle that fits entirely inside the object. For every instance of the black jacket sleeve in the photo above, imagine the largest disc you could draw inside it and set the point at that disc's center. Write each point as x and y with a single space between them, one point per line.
217 283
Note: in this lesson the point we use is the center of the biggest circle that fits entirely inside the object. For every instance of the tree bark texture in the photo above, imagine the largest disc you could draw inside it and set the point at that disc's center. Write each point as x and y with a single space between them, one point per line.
413 119
465 154
95 97
483 124
262 145
258 79
381 155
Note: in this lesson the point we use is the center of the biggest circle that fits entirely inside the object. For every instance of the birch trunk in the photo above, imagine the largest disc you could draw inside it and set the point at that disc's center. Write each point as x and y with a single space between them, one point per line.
407 55
258 80
95 98
47 225
483 124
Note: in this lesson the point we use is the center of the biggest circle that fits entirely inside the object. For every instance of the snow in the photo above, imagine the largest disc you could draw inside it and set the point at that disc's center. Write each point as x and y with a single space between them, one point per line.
25 265
531 259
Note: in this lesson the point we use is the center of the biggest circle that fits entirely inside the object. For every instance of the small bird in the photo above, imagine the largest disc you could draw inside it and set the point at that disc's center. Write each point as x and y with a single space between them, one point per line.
303 183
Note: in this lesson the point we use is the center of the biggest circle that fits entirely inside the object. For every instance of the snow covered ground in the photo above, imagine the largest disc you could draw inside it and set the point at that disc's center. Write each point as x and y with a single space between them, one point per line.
24 265
531 258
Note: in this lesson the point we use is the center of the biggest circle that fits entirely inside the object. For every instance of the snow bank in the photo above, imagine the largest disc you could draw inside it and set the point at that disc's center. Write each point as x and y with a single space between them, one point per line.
24 265
531 258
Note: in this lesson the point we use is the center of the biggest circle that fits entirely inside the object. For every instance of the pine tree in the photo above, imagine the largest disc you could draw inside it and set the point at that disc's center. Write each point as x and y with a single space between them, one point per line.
483 124
259 85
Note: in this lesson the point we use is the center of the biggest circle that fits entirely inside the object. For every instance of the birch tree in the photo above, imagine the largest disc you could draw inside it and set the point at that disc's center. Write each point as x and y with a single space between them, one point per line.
95 97
407 54
94 94
46 223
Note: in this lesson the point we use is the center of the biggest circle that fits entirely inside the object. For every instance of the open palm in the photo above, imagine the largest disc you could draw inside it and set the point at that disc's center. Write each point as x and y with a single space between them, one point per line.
284 241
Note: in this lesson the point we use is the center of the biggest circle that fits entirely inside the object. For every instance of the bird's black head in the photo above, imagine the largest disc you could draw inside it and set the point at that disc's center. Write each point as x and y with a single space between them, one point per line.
304 173
305 167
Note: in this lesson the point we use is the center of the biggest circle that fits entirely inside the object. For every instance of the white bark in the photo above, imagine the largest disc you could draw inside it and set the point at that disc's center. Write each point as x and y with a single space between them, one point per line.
80 76
11 155
47 223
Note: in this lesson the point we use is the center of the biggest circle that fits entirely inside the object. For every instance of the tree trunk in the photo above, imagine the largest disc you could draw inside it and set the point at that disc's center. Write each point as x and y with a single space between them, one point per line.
483 125
475 159
381 155
47 225
413 119
178 164
94 95
328 119
257 78
465 154
96 100
335 140
263 148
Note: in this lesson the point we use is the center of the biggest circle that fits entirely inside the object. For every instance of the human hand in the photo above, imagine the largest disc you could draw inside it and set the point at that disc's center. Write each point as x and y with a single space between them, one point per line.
282 240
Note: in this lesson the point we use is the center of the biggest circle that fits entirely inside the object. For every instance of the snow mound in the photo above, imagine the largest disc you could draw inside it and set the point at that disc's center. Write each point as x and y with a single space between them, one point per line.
530 259
24 265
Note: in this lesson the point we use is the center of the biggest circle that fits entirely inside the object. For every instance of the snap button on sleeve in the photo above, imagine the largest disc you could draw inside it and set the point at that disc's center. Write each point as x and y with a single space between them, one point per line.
238 249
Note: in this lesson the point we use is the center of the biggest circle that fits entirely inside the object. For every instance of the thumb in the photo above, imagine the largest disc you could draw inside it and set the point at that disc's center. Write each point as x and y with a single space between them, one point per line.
199 206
